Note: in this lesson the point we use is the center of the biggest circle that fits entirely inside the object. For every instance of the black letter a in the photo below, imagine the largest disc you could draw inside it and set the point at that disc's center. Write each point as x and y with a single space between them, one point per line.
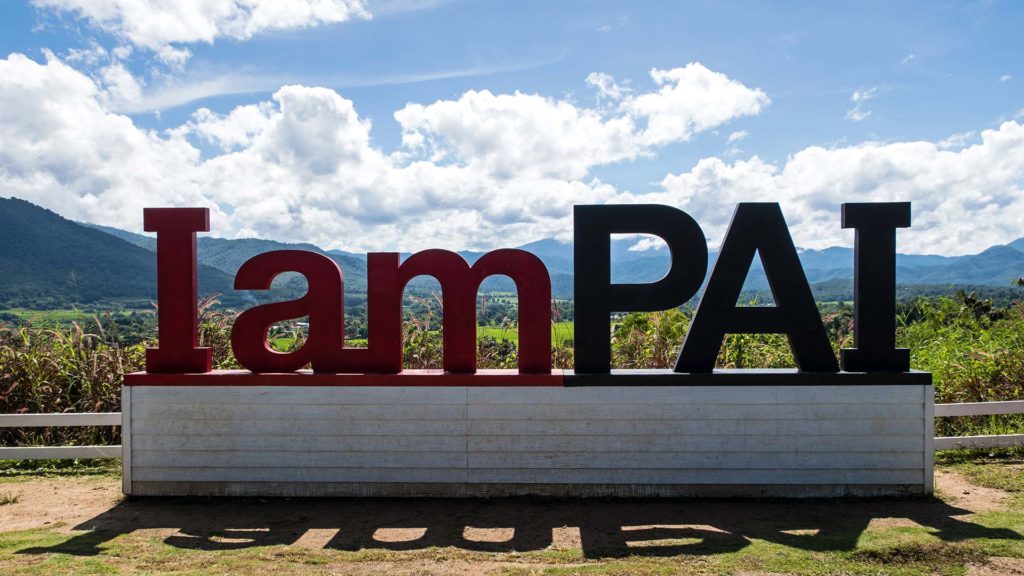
757 228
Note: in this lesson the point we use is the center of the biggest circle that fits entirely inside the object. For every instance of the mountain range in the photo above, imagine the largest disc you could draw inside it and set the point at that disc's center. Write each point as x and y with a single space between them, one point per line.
49 261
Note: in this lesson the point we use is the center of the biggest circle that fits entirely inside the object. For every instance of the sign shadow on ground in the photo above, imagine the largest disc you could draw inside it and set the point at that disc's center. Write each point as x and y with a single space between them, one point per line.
606 527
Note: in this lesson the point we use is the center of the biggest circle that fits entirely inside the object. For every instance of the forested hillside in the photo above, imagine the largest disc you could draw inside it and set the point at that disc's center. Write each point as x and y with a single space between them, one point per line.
48 261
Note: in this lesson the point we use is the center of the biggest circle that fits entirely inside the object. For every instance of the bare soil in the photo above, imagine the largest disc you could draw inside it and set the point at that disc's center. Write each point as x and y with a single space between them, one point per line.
71 501
958 490
43 502
598 528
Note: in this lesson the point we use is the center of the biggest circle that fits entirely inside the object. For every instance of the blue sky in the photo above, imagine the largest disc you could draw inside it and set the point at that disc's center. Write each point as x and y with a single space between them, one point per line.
818 103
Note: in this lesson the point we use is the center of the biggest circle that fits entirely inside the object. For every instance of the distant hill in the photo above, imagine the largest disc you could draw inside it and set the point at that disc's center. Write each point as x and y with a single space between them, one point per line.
48 261
996 266
830 270
229 255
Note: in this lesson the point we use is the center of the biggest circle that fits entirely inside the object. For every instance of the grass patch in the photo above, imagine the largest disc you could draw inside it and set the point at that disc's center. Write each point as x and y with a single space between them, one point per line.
947 548
1000 468
934 554
561 333
9 498
19 470
63 316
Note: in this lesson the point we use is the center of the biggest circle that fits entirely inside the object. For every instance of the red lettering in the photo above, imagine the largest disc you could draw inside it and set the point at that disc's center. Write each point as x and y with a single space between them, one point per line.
459 285
177 290
322 303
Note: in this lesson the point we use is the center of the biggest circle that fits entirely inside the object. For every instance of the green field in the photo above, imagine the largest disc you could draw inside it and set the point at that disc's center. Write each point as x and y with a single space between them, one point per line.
561 333
62 316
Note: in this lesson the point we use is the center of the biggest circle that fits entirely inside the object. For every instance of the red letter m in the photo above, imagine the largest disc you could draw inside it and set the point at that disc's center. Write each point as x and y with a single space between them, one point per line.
459 285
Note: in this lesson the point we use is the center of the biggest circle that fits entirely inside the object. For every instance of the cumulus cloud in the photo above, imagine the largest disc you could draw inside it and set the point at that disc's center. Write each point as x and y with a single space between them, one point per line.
62 149
158 24
606 86
517 135
964 199
480 171
301 167
692 99
121 87
229 132
514 135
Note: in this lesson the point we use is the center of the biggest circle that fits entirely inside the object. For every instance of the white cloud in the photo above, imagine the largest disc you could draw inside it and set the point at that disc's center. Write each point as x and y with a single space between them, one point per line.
515 135
691 99
863 95
170 91
90 56
510 136
479 171
964 200
121 88
737 136
909 58
958 140
158 24
859 97
646 242
61 148
857 114
234 131
1005 78
606 86
173 57
299 168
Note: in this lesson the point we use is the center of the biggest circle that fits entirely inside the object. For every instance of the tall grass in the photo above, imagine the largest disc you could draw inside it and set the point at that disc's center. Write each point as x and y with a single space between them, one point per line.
975 354
62 370
974 351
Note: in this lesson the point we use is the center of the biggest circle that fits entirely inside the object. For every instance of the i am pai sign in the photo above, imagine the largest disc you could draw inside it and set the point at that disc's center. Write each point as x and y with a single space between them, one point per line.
756 228
357 424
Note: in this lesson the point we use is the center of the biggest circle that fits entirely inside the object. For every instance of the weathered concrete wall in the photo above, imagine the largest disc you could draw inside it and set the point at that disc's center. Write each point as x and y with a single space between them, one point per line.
456 441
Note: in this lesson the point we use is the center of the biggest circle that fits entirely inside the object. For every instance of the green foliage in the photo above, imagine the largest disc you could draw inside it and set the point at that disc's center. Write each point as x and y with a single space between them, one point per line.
648 340
18 470
1001 474
755 351
494 353
62 370
975 353
215 334
974 349
49 262
79 368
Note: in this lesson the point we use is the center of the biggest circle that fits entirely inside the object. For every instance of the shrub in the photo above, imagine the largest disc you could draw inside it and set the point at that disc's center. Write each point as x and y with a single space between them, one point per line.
62 370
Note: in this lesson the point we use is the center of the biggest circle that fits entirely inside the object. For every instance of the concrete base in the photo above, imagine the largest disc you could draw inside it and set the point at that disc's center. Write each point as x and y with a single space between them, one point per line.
528 440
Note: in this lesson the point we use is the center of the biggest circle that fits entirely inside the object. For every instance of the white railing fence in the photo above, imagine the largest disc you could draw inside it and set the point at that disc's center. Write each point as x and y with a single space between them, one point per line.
114 419
59 452
979 409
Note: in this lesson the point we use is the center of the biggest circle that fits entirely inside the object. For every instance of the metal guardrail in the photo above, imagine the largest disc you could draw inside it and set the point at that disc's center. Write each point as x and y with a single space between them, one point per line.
59 452
979 409
114 419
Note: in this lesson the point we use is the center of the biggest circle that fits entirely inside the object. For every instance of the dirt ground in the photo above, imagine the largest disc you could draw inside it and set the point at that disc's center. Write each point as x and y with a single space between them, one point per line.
70 502
600 528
